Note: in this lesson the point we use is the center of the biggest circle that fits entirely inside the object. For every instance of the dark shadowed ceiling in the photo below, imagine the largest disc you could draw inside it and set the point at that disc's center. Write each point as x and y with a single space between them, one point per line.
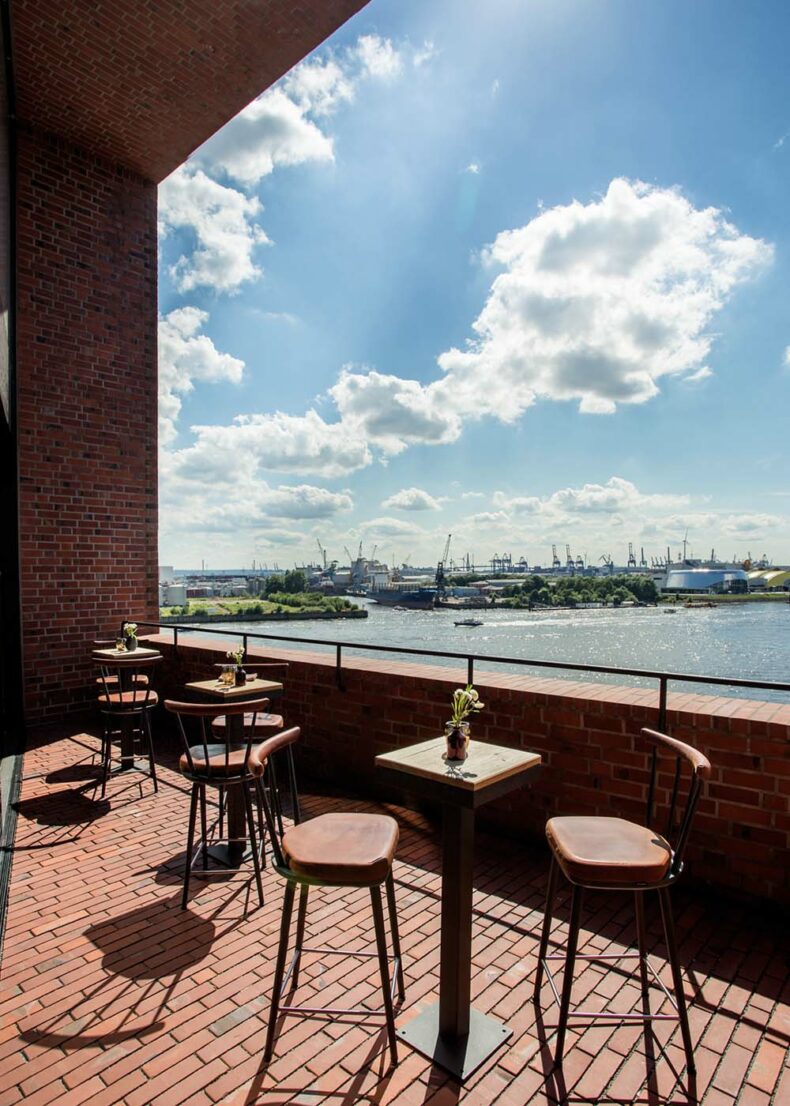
145 82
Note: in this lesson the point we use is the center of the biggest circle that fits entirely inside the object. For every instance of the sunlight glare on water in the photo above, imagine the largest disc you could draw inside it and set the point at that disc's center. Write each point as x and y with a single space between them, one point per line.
740 641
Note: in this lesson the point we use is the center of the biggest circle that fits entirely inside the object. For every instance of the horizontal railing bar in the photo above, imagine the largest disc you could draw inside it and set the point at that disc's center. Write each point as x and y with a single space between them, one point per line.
570 666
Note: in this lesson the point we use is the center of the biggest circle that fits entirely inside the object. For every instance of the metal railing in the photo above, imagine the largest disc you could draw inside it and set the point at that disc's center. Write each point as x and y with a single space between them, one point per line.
663 678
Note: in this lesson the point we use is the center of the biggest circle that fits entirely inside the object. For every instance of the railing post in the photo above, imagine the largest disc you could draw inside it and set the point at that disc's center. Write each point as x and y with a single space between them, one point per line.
339 667
662 704
470 670
175 637
244 643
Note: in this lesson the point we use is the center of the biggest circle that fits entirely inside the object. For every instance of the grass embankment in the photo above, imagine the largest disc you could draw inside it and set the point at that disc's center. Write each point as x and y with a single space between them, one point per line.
278 604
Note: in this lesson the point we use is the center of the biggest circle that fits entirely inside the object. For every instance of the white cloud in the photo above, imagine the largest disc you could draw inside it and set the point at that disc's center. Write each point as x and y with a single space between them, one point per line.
305 501
749 525
378 57
423 54
473 167
597 302
412 499
281 127
279 442
787 358
223 222
392 413
186 356
388 528
273 130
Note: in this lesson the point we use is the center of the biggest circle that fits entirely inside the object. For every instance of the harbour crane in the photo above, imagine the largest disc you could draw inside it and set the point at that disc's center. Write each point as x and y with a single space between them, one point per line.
642 560
580 562
569 562
606 558
440 577
631 556
348 554
555 561
373 553
321 551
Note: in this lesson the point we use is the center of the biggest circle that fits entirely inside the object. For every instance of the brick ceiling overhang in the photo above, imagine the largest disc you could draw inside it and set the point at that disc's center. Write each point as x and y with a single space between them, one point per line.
145 82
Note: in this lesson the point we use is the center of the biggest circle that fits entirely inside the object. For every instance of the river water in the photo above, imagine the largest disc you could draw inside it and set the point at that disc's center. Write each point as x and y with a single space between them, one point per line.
739 640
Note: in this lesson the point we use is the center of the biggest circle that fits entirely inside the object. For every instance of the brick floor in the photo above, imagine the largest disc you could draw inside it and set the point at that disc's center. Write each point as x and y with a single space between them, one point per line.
110 994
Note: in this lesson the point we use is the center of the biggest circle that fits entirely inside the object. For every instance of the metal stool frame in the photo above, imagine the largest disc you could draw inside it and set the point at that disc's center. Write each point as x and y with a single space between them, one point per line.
700 771
390 985
221 778
124 675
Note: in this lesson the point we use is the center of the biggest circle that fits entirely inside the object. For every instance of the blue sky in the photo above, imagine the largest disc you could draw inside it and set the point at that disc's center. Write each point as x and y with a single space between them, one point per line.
519 271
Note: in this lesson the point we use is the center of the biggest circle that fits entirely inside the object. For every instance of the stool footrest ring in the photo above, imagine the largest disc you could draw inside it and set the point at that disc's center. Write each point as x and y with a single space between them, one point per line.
607 1015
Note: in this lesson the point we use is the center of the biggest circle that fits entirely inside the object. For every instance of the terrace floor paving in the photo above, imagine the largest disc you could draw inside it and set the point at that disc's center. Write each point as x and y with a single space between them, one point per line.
109 993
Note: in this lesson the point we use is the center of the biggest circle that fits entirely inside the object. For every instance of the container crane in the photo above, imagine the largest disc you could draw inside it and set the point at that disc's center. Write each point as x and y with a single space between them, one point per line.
555 561
321 551
580 563
569 562
631 555
642 559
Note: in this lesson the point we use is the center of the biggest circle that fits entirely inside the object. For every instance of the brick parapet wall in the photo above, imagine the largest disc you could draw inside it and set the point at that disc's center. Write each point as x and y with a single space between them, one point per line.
87 410
588 735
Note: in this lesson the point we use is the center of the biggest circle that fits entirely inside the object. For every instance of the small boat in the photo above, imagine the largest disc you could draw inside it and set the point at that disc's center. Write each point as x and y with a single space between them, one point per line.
470 622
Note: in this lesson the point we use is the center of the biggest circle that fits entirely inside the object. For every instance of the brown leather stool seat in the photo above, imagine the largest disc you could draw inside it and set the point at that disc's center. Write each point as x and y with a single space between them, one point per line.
218 763
120 699
343 849
608 851
265 724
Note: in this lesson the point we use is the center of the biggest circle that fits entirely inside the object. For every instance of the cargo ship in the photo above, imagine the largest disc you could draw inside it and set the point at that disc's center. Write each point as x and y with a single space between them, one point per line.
414 598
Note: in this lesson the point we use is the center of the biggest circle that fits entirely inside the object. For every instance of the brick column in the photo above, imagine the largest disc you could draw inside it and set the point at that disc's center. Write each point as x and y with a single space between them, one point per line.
86 356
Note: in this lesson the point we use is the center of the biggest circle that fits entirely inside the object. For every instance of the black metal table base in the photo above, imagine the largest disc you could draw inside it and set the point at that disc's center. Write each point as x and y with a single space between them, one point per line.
459 1056
230 857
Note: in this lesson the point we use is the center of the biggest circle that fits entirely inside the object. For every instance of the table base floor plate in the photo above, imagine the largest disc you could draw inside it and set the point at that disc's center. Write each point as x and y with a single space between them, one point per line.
230 857
460 1057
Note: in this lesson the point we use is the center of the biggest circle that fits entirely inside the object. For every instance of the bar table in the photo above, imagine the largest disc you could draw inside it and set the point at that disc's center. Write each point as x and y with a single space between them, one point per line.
107 656
451 1032
232 854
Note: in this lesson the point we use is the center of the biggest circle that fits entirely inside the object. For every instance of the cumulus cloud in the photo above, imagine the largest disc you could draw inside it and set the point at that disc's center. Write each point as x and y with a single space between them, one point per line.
787 358
390 412
186 356
378 57
283 127
278 442
597 302
388 528
273 130
304 501
223 222
412 499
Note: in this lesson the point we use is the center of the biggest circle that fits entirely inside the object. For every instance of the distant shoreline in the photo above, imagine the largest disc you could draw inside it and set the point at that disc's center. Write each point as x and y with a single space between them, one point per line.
274 616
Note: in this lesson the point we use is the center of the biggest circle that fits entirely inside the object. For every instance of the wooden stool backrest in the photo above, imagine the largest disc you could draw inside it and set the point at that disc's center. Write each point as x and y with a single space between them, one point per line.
700 771
204 715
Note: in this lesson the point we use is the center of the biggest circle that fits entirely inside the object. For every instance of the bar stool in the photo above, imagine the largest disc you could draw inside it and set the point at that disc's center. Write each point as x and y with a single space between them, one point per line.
224 766
612 854
266 724
125 703
331 850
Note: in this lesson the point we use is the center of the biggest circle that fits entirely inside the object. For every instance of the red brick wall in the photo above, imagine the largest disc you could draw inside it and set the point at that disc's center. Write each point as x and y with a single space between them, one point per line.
588 735
86 356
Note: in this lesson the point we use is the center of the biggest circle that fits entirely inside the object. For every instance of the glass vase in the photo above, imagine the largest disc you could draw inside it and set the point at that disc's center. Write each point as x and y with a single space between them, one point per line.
457 737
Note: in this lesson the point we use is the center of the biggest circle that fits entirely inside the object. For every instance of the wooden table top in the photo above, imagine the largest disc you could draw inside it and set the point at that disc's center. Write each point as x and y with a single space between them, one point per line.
485 764
112 653
254 686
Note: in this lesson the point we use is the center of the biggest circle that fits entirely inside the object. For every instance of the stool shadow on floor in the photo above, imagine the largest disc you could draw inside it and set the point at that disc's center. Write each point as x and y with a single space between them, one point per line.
152 950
